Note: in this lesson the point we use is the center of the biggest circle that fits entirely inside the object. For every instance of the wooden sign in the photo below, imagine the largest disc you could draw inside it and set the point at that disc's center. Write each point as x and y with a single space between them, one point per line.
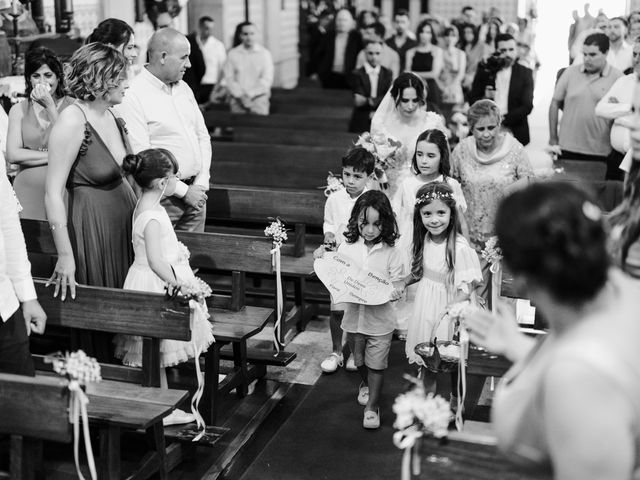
346 282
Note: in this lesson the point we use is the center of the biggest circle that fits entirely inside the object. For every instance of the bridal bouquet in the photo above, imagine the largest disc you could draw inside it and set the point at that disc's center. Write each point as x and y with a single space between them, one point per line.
387 150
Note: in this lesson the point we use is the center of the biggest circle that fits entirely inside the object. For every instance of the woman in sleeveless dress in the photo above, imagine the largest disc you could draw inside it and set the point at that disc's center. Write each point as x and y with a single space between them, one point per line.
86 149
570 405
425 60
30 123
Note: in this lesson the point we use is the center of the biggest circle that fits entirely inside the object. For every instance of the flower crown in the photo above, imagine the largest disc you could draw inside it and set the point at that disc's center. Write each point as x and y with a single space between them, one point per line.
435 195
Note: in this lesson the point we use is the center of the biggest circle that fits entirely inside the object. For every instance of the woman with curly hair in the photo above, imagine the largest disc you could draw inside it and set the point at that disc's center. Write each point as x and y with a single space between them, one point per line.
86 149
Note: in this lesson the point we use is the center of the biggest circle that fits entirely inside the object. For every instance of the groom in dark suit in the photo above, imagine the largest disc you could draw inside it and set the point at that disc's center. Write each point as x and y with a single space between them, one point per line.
369 84
511 87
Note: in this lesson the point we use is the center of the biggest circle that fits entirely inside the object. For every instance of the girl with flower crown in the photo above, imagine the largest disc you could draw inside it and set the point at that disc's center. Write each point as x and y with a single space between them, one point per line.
430 163
161 264
445 267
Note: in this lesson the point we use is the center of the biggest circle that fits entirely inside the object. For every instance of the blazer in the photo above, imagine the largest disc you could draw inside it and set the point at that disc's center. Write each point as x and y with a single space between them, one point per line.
361 116
327 49
195 72
519 100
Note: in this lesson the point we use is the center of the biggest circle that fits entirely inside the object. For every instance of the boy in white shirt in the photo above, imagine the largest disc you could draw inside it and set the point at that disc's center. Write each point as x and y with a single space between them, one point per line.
357 170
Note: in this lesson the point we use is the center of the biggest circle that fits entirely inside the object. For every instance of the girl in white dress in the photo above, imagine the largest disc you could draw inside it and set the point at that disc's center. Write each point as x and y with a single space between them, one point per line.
161 264
444 265
430 163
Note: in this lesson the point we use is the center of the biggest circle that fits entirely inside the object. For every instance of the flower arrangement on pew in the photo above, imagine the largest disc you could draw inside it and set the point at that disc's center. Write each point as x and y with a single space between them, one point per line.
418 414
387 151
492 253
277 231
79 369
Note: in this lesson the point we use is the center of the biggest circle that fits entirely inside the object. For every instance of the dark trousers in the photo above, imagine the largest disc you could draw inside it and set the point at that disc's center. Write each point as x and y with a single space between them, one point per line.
15 356
613 166
204 92
568 155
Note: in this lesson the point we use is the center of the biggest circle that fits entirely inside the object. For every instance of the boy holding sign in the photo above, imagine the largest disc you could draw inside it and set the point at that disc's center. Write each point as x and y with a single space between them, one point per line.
357 169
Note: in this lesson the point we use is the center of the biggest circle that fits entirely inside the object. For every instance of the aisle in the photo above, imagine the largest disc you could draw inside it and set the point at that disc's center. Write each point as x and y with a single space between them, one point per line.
324 437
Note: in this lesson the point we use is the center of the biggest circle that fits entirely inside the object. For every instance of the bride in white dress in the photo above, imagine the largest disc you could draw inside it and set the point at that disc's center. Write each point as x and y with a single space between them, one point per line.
403 115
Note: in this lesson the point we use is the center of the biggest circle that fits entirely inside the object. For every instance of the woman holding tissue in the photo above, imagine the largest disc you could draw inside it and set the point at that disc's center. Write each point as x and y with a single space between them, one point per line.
30 123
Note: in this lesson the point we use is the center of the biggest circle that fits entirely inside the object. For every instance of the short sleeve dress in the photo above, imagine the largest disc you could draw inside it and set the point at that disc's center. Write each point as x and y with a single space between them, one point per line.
142 278
433 294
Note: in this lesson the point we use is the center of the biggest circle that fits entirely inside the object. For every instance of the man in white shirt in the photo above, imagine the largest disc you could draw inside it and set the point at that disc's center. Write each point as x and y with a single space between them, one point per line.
249 74
161 111
211 52
16 288
620 52
616 106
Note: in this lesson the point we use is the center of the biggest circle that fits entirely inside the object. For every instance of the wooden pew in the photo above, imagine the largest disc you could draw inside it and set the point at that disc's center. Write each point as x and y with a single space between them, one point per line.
275 166
239 206
311 96
215 118
292 136
339 112
242 255
33 409
134 312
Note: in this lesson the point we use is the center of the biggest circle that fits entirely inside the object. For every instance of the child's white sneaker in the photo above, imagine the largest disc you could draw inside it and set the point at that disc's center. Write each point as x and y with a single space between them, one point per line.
363 394
371 419
351 365
178 417
332 362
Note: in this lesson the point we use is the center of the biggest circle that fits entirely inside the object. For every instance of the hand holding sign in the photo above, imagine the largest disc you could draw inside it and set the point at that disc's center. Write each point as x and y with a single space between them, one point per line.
346 282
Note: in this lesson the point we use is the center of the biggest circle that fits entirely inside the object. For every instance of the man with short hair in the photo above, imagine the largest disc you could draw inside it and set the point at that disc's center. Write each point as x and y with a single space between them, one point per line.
207 58
620 52
402 40
161 111
511 88
249 74
616 106
389 58
583 135
370 83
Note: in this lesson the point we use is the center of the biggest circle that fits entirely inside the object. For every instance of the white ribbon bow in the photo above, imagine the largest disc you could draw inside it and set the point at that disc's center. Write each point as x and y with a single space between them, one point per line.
197 351
275 262
78 408
406 439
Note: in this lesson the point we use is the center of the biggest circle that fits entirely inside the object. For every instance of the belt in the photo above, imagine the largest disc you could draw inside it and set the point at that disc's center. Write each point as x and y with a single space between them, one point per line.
188 180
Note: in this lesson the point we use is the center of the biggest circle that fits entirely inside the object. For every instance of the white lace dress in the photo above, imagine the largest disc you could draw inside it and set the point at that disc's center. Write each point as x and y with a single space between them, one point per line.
433 295
140 277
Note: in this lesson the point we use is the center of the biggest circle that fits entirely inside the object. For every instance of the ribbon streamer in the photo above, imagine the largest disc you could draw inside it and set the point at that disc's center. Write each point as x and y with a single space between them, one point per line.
197 351
77 410
275 262
462 376
406 439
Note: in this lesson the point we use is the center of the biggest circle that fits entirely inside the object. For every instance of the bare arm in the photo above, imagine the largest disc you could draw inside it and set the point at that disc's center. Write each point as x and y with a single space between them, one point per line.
153 246
554 108
64 145
16 153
